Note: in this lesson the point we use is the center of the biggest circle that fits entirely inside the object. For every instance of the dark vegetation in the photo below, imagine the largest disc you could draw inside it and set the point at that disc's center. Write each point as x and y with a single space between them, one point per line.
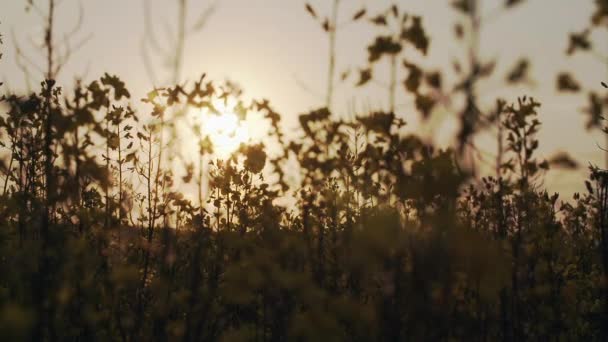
389 238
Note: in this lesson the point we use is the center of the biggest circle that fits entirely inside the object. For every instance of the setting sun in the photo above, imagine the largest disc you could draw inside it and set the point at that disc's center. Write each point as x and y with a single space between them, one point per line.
224 128
227 132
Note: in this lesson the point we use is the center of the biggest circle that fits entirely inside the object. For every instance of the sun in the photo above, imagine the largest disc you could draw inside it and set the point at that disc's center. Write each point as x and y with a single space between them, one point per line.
226 132
225 129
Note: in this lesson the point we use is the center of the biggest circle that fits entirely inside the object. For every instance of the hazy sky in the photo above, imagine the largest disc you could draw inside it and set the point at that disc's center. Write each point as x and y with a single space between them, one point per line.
272 47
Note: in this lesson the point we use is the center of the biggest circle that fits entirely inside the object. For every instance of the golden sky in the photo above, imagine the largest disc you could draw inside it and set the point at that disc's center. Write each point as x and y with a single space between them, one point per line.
272 48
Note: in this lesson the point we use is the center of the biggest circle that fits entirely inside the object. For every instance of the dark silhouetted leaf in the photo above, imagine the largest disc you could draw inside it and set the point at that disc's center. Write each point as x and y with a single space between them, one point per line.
383 45
462 5
326 25
412 83
589 187
433 79
416 36
365 75
594 111
563 160
255 158
513 3
379 20
579 41
566 83
360 14
311 10
425 105
520 72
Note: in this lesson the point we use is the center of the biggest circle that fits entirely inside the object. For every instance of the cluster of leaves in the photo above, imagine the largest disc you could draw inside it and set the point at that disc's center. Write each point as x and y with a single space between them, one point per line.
581 43
401 30
475 69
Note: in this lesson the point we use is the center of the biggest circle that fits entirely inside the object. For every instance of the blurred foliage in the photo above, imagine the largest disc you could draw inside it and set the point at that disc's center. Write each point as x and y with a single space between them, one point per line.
387 238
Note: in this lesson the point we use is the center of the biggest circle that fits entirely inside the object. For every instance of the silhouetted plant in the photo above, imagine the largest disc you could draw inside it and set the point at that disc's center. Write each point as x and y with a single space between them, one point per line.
331 24
386 237
581 42
402 31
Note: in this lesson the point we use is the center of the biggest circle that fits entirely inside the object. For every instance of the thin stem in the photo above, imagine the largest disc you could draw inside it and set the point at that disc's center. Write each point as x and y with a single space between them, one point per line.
332 54
393 84
48 41
181 37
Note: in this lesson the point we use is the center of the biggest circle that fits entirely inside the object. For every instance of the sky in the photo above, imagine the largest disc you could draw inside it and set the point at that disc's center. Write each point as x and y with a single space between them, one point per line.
273 49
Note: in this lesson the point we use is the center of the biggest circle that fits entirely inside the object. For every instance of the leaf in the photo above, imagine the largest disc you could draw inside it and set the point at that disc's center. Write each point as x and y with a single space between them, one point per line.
378 122
395 11
326 26
130 157
594 111
344 75
566 83
425 105
414 78
311 10
519 72
381 46
416 35
141 136
120 90
589 187
513 3
365 75
579 41
379 20
433 79
485 70
113 141
255 158
462 5
563 160
359 14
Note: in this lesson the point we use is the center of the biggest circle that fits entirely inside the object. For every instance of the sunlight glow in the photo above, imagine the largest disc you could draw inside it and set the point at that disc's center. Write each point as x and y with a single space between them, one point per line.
226 131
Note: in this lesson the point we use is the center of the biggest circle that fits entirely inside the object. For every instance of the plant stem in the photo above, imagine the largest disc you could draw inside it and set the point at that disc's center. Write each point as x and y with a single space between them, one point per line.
332 54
